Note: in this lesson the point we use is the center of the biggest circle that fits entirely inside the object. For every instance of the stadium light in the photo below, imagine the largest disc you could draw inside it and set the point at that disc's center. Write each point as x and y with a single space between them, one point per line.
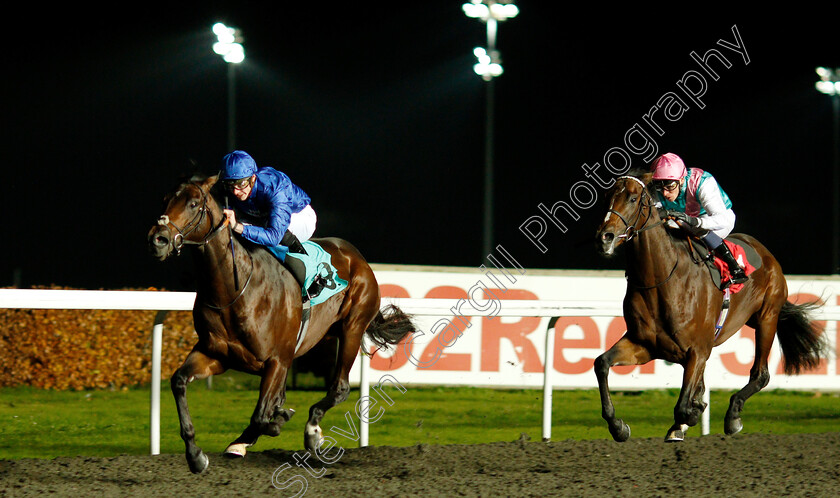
829 84
489 66
490 12
487 9
229 46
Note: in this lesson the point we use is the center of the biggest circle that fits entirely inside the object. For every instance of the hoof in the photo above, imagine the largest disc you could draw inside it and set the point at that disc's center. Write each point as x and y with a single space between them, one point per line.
199 464
733 426
312 437
285 414
676 434
622 433
236 450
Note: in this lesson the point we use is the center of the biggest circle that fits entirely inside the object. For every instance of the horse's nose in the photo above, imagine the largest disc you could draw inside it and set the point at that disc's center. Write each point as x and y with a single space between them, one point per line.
605 242
159 241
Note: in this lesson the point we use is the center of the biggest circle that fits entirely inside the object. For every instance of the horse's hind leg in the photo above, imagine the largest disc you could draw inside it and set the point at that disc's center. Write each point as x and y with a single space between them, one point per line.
690 404
196 366
759 375
269 416
339 390
624 352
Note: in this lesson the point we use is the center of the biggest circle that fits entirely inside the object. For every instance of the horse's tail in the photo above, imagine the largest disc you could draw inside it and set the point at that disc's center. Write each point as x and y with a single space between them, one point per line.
802 339
390 327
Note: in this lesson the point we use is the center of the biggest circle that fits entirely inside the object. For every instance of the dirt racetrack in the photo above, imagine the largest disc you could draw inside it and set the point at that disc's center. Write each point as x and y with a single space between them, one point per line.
744 465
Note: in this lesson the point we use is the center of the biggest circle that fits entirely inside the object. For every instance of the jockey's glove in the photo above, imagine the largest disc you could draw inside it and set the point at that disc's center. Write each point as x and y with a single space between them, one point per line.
680 216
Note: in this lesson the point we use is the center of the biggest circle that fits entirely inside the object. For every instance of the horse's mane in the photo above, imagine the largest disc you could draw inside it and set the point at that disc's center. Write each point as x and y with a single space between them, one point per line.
643 174
191 178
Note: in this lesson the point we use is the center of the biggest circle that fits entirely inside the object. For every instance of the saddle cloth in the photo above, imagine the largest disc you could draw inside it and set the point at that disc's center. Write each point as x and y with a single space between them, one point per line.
317 262
744 254
741 257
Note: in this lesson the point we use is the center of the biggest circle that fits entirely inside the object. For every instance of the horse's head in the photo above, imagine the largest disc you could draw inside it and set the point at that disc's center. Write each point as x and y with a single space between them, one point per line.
630 209
188 218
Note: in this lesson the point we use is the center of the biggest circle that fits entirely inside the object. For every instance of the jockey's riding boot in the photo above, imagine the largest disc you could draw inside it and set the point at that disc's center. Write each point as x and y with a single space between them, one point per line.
737 275
296 268
291 241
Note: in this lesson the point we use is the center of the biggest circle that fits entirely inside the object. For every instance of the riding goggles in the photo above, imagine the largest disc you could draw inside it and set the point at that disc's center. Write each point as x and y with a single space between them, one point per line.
239 184
666 185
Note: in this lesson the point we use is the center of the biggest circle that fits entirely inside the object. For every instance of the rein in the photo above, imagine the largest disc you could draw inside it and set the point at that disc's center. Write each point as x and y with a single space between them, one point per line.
241 292
673 270
179 241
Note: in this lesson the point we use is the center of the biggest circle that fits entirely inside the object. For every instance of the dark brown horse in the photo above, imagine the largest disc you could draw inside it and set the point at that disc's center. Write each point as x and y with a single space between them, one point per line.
671 307
251 323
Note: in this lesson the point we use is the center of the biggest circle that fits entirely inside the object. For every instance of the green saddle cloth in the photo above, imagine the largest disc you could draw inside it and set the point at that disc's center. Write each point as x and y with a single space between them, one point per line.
319 262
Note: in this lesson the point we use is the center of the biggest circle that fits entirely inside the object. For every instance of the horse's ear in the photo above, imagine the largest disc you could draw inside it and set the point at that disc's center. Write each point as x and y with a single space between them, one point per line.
646 177
208 183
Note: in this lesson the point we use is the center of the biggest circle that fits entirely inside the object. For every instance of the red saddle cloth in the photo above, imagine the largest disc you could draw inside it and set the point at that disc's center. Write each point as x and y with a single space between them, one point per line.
740 257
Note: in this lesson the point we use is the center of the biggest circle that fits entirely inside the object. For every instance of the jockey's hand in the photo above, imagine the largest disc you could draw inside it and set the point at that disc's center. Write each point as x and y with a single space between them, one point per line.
231 218
680 216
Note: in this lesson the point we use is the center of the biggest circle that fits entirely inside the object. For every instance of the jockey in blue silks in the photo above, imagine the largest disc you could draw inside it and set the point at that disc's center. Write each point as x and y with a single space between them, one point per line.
277 212
693 197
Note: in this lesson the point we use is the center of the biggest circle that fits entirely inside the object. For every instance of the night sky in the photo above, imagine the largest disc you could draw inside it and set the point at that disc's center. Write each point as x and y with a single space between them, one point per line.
378 116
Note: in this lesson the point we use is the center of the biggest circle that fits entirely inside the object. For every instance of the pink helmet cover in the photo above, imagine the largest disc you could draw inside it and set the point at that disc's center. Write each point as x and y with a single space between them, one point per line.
668 167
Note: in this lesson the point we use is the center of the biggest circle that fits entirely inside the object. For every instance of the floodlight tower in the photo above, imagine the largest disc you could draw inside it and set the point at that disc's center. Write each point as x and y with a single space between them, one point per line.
829 84
489 66
229 46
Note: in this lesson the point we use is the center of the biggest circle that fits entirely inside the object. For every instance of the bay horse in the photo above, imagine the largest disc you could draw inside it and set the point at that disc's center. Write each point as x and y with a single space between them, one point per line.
671 306
251 325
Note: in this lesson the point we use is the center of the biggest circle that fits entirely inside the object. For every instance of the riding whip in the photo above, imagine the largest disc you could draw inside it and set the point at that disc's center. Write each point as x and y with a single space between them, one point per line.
232 252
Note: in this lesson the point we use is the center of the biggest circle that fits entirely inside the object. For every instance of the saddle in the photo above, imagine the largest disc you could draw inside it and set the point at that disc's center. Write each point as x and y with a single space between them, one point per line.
719 270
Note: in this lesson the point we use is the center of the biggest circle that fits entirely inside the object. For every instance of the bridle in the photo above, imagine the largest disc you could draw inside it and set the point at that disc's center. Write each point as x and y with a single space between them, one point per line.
180 239
631 231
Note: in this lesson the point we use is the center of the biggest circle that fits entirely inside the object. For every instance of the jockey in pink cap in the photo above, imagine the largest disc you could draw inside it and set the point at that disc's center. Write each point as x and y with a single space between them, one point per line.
694 198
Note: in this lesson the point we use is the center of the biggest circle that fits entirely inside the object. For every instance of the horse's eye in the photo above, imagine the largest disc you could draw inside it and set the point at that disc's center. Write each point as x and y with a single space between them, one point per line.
193 204
633 199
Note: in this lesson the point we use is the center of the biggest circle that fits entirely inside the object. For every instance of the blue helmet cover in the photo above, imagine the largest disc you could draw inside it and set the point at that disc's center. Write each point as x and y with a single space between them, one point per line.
238 164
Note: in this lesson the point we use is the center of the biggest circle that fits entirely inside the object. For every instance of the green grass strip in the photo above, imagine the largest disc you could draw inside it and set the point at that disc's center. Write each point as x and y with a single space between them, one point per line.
45 424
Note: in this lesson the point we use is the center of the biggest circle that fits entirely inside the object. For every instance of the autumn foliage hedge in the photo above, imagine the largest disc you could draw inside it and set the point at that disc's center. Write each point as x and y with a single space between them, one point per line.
81 349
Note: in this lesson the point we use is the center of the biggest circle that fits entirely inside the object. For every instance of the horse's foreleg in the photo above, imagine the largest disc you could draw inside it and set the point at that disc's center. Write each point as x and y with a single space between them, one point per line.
759 376
269 416
689 405
196 366
624 352
339 390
